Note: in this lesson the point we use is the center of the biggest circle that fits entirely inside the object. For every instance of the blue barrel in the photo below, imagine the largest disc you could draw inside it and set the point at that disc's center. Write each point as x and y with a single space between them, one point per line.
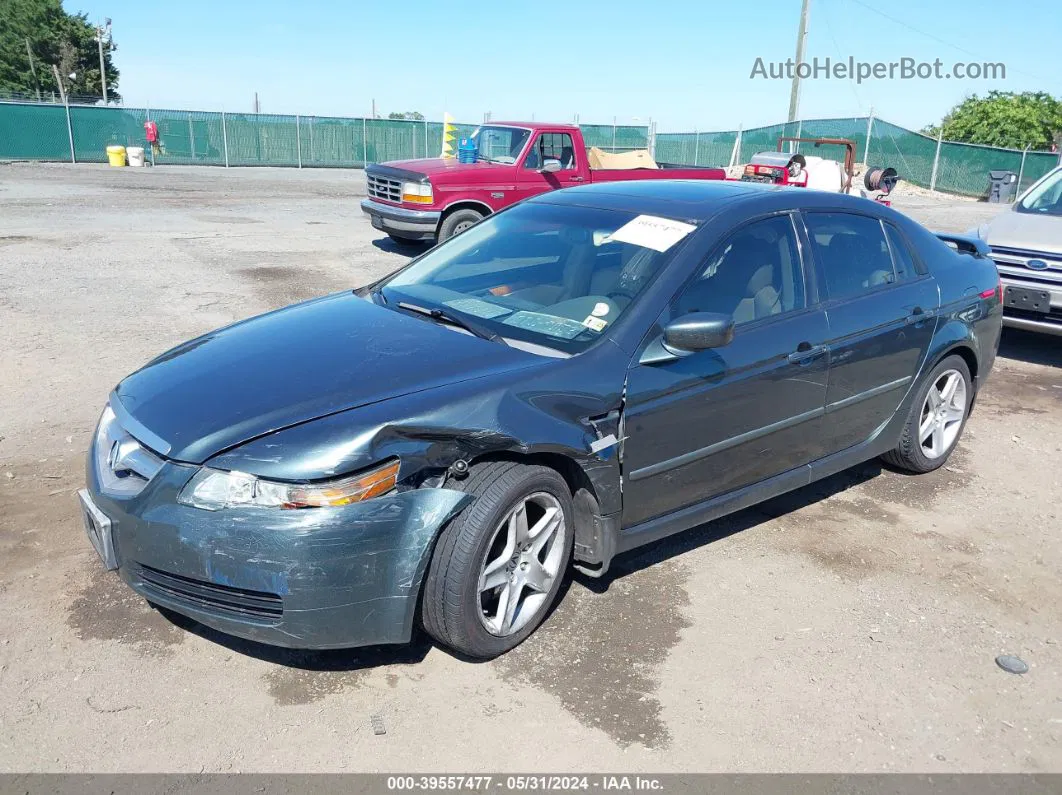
466 151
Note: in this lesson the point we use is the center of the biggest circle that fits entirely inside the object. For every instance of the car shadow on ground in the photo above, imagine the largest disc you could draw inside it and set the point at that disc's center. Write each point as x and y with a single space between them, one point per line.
1031 347
345 660
412 249
710 532
350 660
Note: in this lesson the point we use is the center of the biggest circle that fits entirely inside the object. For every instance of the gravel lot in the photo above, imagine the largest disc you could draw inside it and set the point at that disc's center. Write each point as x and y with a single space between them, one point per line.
850 626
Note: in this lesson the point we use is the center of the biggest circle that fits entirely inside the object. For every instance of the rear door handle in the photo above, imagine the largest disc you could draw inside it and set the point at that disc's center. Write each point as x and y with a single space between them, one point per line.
918 315
806 352
575 179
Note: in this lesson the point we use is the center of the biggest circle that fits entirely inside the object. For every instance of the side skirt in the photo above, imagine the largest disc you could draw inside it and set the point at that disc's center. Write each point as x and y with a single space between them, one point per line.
881 441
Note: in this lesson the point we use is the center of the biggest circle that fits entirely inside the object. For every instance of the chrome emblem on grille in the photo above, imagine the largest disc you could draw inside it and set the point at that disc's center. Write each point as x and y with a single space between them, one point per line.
1037 265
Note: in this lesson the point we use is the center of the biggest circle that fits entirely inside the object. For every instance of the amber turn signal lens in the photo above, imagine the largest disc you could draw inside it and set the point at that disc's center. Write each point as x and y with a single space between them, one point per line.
345 491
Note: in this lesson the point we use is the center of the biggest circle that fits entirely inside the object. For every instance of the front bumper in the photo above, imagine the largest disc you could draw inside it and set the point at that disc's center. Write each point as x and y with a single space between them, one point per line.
1049 323
412 224
310 578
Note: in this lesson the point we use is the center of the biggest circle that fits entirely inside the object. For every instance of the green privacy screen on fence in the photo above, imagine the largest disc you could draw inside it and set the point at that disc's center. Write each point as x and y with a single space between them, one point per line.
41 132
962 169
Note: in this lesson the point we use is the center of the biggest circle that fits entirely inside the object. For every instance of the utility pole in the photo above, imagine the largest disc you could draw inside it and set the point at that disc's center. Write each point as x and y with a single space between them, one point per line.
66 105
802 40
101 30
33 69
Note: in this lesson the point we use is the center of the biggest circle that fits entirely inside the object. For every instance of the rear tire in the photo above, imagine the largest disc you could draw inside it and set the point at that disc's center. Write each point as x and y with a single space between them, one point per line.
457 222
937 418
483 560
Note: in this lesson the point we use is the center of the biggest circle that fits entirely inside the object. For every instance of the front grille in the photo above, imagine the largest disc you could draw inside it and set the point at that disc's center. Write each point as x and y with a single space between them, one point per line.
1014 262
239 602
124 465
384 188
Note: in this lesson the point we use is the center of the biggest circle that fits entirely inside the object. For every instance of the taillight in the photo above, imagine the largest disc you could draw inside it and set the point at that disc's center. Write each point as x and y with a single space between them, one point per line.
996 291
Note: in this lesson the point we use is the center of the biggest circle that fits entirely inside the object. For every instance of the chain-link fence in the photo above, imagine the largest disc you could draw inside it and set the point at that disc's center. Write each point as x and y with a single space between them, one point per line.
920 159
82 133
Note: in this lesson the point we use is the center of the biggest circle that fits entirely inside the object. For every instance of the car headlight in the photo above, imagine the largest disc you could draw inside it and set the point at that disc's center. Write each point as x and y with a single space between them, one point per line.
214 489
417 192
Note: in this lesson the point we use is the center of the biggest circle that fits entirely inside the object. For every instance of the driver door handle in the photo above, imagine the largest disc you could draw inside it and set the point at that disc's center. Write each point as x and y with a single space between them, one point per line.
575 179
806 352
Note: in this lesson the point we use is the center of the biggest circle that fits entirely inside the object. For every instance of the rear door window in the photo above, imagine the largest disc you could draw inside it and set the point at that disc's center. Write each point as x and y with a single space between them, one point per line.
852 253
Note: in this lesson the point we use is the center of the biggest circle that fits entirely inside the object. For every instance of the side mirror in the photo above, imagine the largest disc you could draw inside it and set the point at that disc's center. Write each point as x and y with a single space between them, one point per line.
699 331
549 166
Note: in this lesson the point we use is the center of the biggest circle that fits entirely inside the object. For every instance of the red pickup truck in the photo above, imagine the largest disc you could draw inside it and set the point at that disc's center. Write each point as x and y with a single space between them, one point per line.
435 198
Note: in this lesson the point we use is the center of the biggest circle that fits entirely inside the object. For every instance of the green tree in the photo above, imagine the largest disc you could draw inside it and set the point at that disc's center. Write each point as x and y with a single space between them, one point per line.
1003 118
37 34
409 114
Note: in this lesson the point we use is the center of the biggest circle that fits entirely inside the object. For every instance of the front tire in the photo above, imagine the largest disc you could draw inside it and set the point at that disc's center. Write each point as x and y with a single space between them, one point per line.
936 420
497 568
457 222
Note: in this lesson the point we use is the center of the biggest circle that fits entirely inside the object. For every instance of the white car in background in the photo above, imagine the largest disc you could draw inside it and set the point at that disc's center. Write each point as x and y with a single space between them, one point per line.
1026 243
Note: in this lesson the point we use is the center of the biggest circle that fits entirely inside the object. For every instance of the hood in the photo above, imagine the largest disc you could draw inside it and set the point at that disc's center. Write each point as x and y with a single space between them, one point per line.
293 365
1028 231
440 168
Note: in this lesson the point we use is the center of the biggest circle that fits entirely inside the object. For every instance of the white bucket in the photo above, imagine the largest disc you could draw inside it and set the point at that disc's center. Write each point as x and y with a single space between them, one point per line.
135 154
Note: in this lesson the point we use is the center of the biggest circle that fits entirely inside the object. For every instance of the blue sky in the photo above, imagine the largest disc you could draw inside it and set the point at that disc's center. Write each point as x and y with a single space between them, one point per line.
684 63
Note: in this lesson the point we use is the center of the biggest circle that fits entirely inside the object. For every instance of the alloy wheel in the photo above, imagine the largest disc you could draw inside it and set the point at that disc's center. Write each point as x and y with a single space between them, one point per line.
522 563
942 414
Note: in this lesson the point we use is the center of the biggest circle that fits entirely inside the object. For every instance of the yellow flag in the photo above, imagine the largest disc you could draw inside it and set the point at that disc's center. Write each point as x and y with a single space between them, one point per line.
449 135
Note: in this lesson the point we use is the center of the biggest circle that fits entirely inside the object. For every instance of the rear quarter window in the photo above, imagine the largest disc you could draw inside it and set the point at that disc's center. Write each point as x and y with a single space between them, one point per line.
906 265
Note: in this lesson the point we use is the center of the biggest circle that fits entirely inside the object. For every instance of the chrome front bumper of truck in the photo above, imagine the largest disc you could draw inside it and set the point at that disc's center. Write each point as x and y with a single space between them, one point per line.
411 224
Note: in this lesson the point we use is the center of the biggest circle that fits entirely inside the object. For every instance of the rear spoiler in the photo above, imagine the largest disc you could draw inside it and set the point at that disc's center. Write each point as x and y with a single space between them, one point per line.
965 244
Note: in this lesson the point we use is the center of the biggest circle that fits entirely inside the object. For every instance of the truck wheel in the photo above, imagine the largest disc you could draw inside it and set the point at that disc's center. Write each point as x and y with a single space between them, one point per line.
457 222
497 568
938 416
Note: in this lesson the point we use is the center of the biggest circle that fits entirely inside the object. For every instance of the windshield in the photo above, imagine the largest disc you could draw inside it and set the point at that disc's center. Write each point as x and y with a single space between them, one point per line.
500 144
1045 198
552 276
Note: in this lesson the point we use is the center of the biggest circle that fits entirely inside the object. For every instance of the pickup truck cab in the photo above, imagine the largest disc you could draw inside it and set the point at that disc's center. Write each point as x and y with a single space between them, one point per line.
435 198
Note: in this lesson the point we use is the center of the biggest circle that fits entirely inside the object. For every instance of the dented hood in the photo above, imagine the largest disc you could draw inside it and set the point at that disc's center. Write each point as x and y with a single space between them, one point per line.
297 364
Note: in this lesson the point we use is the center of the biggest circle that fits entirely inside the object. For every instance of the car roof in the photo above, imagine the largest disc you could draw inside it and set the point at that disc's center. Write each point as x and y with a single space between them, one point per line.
699 200
531 125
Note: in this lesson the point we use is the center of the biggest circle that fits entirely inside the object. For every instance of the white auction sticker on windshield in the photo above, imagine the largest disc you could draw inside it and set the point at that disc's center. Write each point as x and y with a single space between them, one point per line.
648 231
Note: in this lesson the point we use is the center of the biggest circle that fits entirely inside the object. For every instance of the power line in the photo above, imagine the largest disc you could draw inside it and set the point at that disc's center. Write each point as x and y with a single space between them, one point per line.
935 38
